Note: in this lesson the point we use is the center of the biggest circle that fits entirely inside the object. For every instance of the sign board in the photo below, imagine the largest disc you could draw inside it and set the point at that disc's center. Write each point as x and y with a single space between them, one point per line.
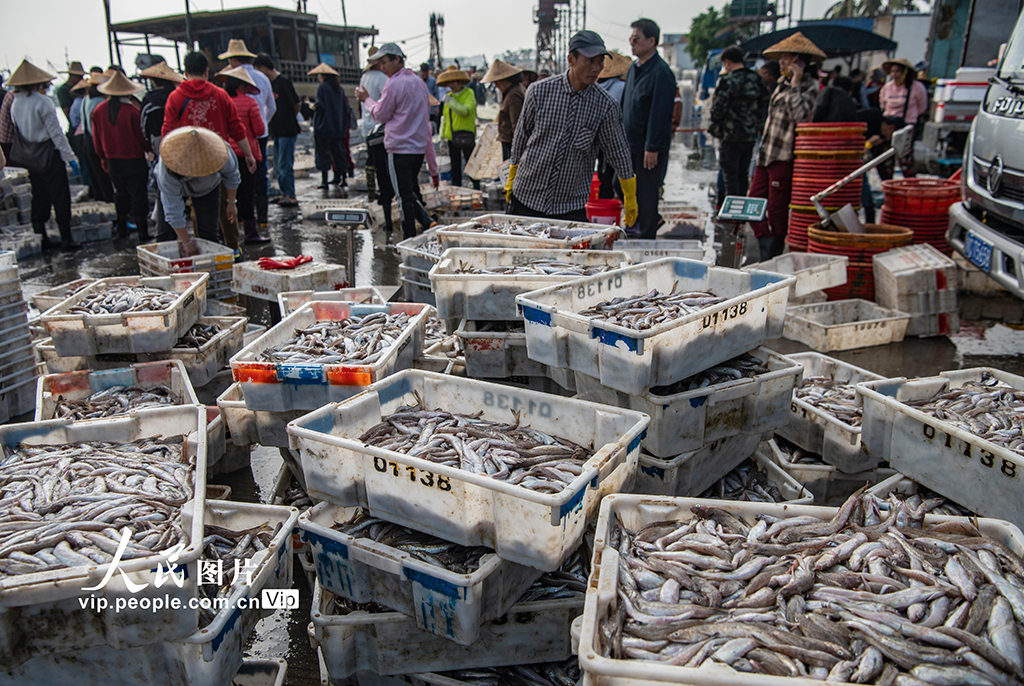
347 216
737 208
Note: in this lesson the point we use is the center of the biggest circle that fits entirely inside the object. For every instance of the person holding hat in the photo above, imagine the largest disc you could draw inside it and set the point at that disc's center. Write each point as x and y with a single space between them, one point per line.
792 103
738 111
284 128
163 80
372 81
121 147
75 73
903 96
331 118
566 119
458 119
239 85
194 163
508 80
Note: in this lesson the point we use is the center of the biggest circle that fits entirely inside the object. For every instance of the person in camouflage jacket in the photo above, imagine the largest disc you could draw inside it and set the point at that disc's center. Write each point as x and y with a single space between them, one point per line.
738 111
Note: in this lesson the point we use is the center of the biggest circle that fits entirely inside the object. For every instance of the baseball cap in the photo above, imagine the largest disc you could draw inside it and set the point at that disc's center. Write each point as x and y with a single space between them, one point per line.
387 49
588 44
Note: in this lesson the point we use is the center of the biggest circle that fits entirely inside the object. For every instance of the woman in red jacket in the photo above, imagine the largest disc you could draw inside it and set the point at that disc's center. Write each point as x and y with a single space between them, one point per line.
121 146
238 85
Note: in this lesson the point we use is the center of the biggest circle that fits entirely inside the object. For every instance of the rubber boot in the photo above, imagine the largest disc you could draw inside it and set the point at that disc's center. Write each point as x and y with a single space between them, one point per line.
67 244
252 234
323 181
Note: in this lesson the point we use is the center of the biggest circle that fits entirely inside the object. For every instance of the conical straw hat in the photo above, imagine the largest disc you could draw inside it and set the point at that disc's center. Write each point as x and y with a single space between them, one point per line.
119 85
236 48
616 66
902 61
82 85
451 74
193 151
76 69
162 71
798 44
322 68
239 73
369 56
28 74
500 71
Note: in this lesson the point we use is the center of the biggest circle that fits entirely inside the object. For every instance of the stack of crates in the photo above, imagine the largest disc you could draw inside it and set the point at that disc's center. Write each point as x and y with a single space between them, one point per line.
164 259
17 360
922 282
419 255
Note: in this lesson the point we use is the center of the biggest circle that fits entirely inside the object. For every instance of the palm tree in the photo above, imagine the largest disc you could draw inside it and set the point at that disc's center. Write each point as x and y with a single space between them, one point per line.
844 9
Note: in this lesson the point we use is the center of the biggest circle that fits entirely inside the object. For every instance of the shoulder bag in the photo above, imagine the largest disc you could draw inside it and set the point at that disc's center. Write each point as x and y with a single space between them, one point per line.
30 155
461 140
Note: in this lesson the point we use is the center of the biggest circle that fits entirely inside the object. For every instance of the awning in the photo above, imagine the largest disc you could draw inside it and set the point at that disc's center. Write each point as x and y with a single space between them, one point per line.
834 40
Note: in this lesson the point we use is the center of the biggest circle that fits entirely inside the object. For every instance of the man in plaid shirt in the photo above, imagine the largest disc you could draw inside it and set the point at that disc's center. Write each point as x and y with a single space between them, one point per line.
565 120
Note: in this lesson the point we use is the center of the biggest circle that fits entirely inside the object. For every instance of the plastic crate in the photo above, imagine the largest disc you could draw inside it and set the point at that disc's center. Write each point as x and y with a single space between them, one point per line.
845 325
289 302
496 354
813 272
921 281
42 613
693 472
414 253
388 643
248 427
261 673
629 360
252 332
826 483
820 432
565 235
896 484
935 453
642 250
414 290
128 332
636 511
23 245
284 387
166 258
687 421
90 233
441 602
219 308
523 526
208 657
492 297
248 278
51 297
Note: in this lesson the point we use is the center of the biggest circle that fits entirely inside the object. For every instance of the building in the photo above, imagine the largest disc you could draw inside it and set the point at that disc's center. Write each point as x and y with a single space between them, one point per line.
673 50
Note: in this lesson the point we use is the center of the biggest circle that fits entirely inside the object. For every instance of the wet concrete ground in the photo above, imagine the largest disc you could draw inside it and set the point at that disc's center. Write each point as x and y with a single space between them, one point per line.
284 634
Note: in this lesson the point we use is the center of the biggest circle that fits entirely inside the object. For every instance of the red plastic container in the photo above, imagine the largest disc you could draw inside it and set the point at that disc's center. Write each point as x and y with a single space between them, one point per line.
604 211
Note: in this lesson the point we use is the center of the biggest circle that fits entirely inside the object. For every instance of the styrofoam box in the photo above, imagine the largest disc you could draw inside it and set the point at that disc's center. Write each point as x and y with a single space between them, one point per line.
440 601
51 297
261 673
820 432
166 258
916 279
978 474
629 360
693 472
687 421
202 364
826 483
289 302
813 272
414 255
640 250
208 657
565 235
277 387
535 529
492 297
40 614
390 643
496 354
248 427
636 511
248 278
128 332
845 325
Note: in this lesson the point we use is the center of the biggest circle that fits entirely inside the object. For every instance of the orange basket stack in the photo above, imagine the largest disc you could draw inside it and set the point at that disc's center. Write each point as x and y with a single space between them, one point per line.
921 205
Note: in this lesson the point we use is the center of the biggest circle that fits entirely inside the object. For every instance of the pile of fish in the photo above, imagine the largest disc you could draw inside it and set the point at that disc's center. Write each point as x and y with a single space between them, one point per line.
642 312
114 401
835 398
429 549
566 673
124 298
794 454
431 246
361 339
568 581
929 502
198 336
537 267
66 505
435 332
228 545
988 408
745 482
515 326
514 227
516 455
869 596
743 367
296 496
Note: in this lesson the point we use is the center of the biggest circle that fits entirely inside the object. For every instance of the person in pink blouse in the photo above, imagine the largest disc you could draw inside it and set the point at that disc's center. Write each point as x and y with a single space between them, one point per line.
905 97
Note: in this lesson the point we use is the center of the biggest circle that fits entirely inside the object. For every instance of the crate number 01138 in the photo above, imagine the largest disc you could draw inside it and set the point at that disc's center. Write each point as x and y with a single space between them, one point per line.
599 286
402 471
514 403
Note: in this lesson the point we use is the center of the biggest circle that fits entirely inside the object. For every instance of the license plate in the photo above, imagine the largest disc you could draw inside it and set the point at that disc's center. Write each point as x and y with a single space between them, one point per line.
978 251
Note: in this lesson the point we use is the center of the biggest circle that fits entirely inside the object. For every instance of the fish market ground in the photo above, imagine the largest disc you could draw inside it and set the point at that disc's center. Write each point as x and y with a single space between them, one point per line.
979 343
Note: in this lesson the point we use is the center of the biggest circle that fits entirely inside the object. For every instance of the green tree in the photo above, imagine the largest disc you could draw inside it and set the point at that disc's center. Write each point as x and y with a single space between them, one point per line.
704 30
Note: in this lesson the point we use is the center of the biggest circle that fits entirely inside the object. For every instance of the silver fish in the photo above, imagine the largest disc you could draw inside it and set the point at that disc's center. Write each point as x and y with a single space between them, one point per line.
830 396
644 311
538 267
115 401
124 298
359 339
744 366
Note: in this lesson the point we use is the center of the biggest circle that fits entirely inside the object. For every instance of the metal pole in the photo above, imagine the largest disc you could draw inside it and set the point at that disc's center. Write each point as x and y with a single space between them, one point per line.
802 10
352 255
110 44
188 27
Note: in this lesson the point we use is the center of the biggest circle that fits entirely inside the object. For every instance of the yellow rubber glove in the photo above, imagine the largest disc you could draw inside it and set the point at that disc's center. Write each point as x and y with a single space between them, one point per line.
629 200
508 184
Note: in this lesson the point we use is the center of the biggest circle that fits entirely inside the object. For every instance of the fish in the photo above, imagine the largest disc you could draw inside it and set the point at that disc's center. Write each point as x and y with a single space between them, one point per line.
565 673
120 298
115 401
197 336
537 267
644 311
832 397
519 226
745 482
296 496
227 546
358 339
435 332
744 366
794 454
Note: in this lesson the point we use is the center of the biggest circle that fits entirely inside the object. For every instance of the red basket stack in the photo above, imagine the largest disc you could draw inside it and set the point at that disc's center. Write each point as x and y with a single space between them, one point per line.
921 205
860 249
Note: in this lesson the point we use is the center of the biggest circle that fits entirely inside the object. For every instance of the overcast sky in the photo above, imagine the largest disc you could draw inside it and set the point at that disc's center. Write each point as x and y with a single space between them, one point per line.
45 30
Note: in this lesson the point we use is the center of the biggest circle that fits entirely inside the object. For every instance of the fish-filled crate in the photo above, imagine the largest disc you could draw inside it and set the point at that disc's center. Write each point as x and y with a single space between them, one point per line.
451 603
389 643
99 318
248 427
495 350
845 325
249 278
421 252
813 272
825 415
758 479
481 284
693 472
735 311
974 456
825 482
538 524
44 613
641 250
51 297
162 259
308 384
903 488
749 394
510 231
559 673
212 654
293 300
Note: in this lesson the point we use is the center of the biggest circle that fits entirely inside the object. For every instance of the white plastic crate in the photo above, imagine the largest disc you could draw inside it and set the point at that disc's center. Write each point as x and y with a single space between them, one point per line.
289 302
687 421
128 332
261 673
564 235
51 297
897 484
921 281
521 525
208 657
41 614
826 483
813 272
442 602
389 643
252 332
247 427
220 308
820 432
275 387
636 511
413 290
18 393
693 472
496 354
845 325
414 254
161 259
436 358
23 245
641 250
492 297
248 278
629 360
978 474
